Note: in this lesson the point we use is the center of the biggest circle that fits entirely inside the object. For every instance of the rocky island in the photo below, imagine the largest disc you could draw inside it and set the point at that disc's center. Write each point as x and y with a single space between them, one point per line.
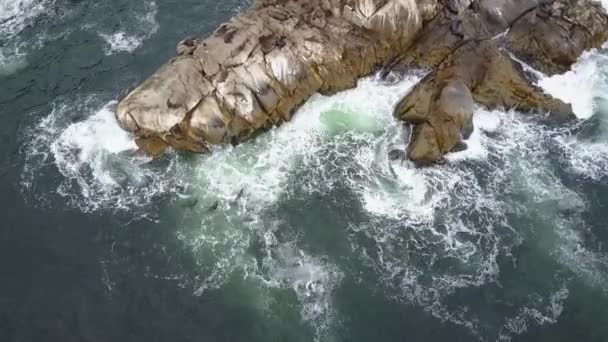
254 71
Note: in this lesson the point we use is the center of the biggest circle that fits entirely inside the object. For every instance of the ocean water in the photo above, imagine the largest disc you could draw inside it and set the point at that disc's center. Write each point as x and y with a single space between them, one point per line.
307 233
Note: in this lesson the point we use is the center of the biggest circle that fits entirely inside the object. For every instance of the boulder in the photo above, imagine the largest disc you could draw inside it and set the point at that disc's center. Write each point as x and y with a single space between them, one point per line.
554 34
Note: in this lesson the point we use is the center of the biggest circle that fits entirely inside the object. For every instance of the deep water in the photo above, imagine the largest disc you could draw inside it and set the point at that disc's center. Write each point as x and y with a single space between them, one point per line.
307 233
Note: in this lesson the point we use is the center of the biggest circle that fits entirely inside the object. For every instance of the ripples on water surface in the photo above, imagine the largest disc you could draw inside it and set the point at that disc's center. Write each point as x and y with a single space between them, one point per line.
308 232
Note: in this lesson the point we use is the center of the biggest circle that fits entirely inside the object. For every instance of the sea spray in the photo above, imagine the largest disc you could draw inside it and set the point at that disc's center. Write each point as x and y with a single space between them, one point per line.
586 88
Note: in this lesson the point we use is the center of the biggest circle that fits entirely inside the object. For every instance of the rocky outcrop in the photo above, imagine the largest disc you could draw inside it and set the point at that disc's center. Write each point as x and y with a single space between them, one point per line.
553 35
470 62
253 72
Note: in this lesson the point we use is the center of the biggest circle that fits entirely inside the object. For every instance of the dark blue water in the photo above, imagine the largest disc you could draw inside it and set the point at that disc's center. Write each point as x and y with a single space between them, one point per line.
307 233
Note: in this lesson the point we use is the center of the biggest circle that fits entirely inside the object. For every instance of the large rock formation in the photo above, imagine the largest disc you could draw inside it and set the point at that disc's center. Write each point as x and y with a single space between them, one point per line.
253 72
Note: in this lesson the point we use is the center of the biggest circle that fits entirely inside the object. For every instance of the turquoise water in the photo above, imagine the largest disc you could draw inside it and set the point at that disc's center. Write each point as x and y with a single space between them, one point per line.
310 232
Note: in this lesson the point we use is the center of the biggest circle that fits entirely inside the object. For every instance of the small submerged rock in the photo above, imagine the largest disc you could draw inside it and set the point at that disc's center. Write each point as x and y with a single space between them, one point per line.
396 154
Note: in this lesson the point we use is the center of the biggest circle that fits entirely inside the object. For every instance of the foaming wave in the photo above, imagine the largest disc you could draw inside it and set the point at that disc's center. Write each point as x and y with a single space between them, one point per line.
262 167
421 220
11 62
144 26
397 189
94 157
311 279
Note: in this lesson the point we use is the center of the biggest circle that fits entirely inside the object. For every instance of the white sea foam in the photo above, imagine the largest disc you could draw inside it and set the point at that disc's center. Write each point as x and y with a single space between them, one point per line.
140 27
589 159
120 41
311 279
590 265
86 143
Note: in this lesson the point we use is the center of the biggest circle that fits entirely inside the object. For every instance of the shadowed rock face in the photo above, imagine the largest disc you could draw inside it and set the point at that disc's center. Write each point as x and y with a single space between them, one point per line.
253 72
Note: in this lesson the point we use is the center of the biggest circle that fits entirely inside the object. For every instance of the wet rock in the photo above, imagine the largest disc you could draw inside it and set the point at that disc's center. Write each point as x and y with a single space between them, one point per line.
554 34
254 71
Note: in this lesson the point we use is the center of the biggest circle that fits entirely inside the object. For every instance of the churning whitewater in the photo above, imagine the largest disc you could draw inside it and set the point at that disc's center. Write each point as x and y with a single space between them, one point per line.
418 236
